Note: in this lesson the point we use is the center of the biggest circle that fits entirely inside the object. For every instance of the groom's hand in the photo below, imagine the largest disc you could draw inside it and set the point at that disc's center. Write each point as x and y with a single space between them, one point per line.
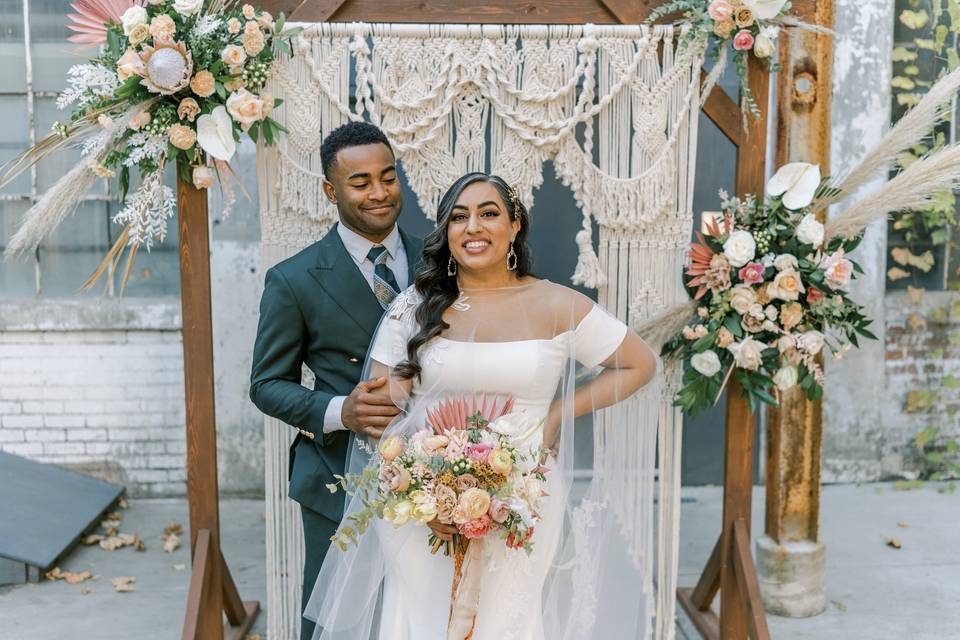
443 531
369 409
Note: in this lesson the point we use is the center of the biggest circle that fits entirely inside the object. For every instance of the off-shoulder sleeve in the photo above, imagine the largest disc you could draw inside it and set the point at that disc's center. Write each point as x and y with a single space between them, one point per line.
389 345
597 336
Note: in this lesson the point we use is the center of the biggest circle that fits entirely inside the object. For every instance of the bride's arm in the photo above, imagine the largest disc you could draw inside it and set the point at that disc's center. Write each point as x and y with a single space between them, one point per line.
625 371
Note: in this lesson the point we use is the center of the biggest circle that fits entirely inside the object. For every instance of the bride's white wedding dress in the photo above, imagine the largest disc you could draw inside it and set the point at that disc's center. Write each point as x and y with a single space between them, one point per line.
498 345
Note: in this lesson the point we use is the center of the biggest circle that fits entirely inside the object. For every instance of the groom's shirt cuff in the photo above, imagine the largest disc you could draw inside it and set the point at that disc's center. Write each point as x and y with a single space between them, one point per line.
332 420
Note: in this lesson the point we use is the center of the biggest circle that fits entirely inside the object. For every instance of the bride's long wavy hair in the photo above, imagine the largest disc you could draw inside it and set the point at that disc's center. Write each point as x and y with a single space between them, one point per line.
440 290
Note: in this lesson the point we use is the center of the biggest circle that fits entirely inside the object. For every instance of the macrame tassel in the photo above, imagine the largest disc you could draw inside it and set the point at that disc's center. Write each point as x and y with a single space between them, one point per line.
588 272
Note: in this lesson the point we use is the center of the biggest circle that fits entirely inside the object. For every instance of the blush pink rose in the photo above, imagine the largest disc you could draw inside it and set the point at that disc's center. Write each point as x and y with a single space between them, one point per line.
479 452
814 295
838 271
466 481
499 510
743 40
476 528
394 478
720 10
751 273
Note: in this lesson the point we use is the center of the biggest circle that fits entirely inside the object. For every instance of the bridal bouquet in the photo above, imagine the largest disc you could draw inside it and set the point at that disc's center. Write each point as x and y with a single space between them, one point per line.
464 469
172 80
769 284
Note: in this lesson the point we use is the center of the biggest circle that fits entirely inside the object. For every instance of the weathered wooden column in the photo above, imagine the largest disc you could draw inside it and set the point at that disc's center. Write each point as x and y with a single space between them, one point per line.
791 560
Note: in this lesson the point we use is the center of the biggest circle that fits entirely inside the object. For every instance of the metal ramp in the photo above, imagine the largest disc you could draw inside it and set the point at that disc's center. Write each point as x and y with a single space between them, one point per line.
44 510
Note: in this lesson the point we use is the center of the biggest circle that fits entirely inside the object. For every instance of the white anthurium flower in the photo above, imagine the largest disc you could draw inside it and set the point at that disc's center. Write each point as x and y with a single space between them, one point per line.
797 182
765 9
215 134
785 378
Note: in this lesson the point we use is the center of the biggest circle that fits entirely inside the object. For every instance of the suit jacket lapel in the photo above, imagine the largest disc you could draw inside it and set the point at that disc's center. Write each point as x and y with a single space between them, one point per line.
339 276
414 249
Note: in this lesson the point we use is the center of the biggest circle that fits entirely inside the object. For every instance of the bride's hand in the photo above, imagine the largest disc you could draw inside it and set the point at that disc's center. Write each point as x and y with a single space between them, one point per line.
443 531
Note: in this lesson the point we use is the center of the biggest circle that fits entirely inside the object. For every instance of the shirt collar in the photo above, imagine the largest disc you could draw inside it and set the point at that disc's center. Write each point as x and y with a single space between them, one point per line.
358 247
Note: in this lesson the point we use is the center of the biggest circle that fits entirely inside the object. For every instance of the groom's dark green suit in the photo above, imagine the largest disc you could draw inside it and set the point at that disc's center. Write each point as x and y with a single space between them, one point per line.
317 309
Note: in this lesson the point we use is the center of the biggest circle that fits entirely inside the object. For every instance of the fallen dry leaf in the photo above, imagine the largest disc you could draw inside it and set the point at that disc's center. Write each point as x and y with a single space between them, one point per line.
171 542
174 528
140 545
893 542
903 525
114 515
179 567
70 577
85 591
839 605
112 543
123 584
54 574
93 538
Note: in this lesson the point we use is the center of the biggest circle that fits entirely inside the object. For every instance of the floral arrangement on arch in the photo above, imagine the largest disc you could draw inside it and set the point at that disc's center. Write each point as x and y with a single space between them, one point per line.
772 293
172 81
745 26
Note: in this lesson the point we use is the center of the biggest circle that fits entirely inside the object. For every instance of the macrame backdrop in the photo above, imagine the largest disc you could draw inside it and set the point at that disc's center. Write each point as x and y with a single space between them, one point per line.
614 108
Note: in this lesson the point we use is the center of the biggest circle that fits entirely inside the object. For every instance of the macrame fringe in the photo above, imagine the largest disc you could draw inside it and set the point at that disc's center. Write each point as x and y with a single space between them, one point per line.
588 272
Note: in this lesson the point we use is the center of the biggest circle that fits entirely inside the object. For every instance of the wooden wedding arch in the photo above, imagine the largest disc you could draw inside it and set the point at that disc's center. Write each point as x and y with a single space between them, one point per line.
793 458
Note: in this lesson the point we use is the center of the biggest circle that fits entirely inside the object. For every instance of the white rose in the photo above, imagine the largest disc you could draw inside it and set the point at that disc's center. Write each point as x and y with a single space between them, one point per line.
767 260
245 108
187 7
785 378
763 47
771 312
810 341
748 353
742 298
132 18
810 231
740 248
706 363
765 9
785 261
797 182
756 310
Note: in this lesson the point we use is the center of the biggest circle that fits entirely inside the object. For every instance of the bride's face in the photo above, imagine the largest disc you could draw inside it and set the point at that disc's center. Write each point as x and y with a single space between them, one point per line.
480 231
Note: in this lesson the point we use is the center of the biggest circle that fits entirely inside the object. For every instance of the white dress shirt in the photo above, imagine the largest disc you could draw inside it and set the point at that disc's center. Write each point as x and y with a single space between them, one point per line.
358 247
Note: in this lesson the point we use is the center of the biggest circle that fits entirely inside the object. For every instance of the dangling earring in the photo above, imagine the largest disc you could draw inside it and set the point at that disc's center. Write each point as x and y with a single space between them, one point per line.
451 267
512 259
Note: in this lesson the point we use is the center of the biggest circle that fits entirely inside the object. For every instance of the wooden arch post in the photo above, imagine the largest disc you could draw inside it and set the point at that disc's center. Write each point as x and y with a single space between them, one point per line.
212 591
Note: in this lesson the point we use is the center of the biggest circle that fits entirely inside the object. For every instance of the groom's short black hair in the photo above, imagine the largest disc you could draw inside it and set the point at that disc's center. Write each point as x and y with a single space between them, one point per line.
352 134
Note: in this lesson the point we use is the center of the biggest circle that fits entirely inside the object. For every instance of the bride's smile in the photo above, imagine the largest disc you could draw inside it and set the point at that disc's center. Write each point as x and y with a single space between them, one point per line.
480 233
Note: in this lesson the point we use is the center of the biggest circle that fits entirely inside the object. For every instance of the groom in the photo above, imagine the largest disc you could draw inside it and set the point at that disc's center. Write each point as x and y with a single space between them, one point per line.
320 308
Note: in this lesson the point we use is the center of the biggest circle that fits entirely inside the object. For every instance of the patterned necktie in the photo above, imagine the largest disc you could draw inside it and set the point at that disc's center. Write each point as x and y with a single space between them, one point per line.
385 286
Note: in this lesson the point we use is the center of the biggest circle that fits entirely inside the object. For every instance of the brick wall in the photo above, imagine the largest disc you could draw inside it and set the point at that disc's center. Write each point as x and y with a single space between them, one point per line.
922 369
98 389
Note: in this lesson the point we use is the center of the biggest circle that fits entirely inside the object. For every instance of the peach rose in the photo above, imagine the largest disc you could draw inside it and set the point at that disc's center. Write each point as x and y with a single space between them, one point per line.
790 315
245 108
743 17
763 294
720 10
181 136
500 461
203 84
188 109
233 55
724 337
476 528
253 43
742 298
466 481
474 502
128 65
234 26
394 478
724 28
743 40
162 27
499 510
435 443
446 503
786 285
202 177
139 121
104 120
139 34
748 353
248 11
251 27
391 448
265 19
234 84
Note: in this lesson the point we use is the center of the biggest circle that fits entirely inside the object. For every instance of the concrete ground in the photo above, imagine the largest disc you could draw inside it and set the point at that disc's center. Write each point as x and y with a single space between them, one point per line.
875 592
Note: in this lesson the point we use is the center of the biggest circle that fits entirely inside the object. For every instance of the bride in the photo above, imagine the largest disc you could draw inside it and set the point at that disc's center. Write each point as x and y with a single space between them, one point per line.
478 326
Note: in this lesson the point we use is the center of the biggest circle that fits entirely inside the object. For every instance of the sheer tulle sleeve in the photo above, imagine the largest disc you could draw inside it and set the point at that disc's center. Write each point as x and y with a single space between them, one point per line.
597 336
389 346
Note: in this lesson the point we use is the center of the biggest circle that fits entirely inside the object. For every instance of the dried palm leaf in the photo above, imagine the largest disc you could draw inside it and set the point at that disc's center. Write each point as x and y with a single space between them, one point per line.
913 188
666 324
109 262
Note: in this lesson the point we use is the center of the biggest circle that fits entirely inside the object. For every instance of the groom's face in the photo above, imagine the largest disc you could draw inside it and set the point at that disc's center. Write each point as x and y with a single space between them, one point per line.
363 183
